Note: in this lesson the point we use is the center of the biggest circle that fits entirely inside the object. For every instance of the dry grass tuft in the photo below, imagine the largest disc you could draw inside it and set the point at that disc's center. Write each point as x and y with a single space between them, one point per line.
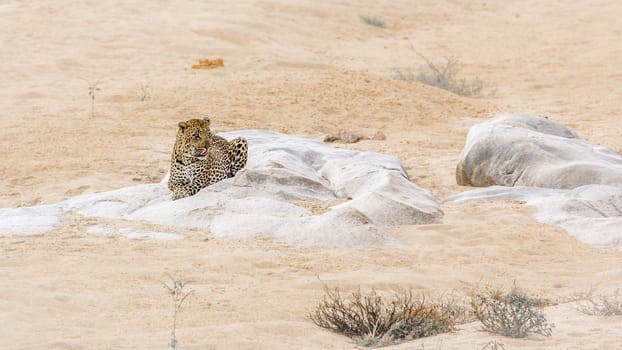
371 319
514 314
444 75
603 305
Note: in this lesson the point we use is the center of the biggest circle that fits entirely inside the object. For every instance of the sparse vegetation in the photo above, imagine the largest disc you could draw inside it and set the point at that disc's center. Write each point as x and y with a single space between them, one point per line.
373 21
438 346
514 314
93 88
444 75
144 92
176 290
602 305
372 320
493 345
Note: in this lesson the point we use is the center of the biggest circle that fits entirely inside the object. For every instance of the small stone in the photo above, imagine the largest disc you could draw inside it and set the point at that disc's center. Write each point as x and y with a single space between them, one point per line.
344 136
350 137
379 136
331 138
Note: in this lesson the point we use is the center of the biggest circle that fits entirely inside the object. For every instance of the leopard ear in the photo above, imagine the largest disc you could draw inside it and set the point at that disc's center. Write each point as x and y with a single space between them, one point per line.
182 125
206 120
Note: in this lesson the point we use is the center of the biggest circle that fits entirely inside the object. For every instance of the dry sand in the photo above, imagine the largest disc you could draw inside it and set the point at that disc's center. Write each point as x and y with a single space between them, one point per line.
302 68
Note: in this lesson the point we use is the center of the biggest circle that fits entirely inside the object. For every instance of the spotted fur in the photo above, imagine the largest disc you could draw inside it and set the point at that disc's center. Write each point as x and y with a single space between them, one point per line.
201 158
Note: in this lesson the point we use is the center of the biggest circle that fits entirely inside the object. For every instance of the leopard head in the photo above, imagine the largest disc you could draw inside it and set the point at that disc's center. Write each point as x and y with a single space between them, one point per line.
192 141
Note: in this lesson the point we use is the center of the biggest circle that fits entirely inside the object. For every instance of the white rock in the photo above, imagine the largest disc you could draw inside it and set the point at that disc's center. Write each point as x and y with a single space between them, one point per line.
29 220
524 150
573 183
257 201
592 213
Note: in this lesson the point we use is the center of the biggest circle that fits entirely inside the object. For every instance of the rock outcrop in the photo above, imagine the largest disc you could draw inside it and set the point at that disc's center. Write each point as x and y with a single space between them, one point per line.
572 183
526 150
372 191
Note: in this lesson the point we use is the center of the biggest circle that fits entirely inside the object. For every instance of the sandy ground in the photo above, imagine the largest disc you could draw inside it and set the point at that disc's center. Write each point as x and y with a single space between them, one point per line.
302 68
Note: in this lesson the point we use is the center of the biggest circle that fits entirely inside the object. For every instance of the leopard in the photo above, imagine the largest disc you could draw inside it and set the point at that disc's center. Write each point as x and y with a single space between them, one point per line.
201 158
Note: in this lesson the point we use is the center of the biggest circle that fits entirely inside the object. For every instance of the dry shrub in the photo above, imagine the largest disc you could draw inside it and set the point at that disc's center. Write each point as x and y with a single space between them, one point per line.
422 320
445 75
370 319
373 21
514 314
603 305
93 89
178 295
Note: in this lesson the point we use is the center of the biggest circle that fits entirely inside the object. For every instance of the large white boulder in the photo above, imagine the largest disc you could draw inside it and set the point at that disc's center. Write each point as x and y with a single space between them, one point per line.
265 198
527 150
572 183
